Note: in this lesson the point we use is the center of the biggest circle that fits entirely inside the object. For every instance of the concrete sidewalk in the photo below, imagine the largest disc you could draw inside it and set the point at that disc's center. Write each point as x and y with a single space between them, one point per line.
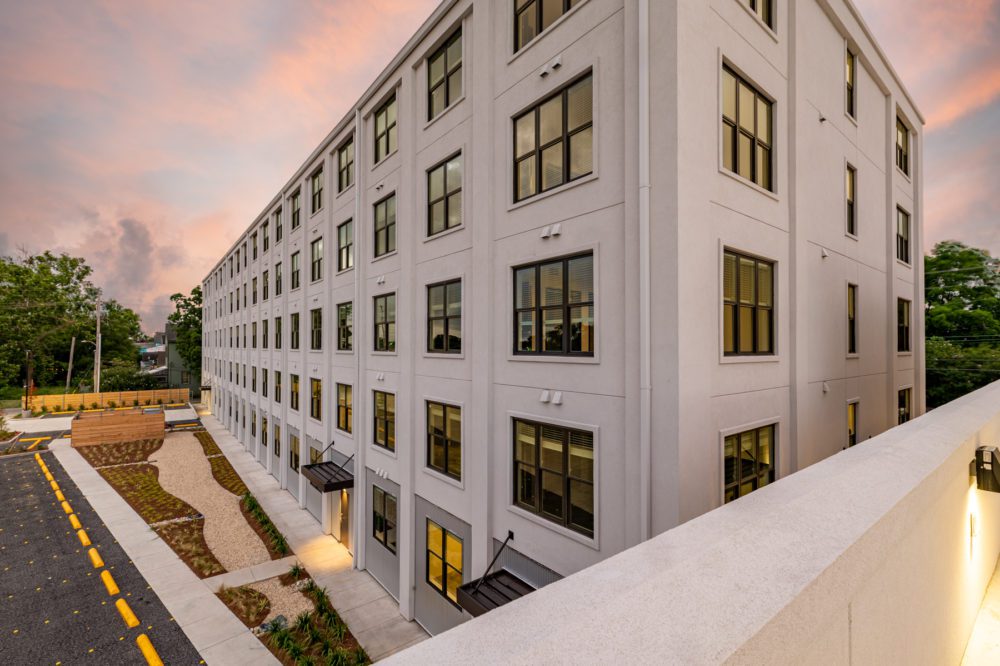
370 612
211 627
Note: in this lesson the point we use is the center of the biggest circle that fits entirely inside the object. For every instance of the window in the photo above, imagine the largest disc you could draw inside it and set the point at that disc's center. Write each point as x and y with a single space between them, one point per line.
852 183
345 166
553 142
385 129
263 334
384 518
263 431
345 407
264 284
850 65
263 229
345 246
293 452
316 403
748 305
385 420
746 130
295 330
237 261
237 299
444 317
902 235
903 405
254 297
277 279
315 455
532 17
296 209
277 440
385 225
253 379
385 323
444 439
902 325
764 9
902 147
277 386
316 329
444 75
277 226
263 382
253 244
852 319
345 326
444 561
277 332
253 335
296 266
316 263
554 307
293 396
444 196
852 424
554 474
749 462
316 188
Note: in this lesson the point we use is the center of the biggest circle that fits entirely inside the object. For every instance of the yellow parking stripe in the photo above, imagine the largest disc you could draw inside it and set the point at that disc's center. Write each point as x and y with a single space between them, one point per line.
66 507
84 539
59 496
123 608
95 558
74 521
109 583
148 651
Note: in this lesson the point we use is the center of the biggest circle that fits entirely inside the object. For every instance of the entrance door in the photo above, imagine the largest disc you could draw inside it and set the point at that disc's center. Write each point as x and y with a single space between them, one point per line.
345 519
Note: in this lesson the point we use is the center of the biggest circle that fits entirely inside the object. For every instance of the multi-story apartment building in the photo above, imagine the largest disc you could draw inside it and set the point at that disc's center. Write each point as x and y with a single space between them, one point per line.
575 272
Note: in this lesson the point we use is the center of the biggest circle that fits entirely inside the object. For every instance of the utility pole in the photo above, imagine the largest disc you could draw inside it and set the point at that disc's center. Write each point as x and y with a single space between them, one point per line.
69 370
97 351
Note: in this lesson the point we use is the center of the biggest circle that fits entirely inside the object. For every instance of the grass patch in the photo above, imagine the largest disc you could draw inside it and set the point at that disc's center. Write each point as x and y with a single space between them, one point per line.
227 477
317 637
139 486
102 455
208 444
246 603
273 539
187 539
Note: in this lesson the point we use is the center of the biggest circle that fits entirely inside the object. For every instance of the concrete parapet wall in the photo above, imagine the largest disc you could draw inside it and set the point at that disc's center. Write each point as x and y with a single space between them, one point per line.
878 555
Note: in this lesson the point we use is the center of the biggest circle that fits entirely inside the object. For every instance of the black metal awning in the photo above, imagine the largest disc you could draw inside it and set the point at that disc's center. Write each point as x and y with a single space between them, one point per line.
491 591
327 477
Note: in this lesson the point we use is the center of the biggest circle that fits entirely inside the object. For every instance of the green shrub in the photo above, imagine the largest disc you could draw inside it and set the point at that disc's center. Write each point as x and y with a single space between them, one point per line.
112 404
94 405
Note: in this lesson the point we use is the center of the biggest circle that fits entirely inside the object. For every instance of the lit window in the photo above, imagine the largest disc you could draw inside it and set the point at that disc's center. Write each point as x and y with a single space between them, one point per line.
345 407
749 461
444 561
850 65
293 397
852 319
385 323
746 130
384 430
747 305
851 186
852 424
444 439
316 403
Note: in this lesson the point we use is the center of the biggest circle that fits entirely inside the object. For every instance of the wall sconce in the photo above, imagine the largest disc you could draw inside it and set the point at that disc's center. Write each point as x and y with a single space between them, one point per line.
987 464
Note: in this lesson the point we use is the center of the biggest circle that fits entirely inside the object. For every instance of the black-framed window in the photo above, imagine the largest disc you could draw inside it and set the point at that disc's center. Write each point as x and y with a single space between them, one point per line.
253 297
749 461
293 453
851 185
264 232
444 195
345 165
316 329
277 279
315 455
237 299
277 440
850 74
384 417
296 269
294 332
444 439
902 325
747 305
238 260
902 235
385 129
747 129
253 379
277 332
263 431
345 246
296 202
253 244
263 382
444 561
852 319
253 335
293 392
316 190
554 307
316 398
554 140
277 386
384 518
903 405
264 334
264 283
532 17
764 9
902 146
316 260
385 225
444 75
444 317
852 423
345 326
554 473
385 322
345 407
277 226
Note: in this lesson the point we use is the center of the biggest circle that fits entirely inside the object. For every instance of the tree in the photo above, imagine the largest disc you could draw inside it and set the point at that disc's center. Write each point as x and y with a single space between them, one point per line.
125 376
186 319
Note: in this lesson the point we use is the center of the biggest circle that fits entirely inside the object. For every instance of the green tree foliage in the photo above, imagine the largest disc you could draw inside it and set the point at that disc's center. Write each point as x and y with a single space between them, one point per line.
962 292
186 319
47 299
125 376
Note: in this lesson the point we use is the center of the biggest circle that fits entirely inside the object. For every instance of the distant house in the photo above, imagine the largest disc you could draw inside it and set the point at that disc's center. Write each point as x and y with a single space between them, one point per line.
161 359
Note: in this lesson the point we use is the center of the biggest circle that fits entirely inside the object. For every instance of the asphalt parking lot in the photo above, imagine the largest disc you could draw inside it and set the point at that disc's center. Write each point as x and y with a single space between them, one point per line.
54 606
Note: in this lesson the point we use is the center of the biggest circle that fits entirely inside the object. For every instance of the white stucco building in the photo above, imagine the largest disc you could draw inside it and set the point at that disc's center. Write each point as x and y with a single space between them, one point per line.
578 271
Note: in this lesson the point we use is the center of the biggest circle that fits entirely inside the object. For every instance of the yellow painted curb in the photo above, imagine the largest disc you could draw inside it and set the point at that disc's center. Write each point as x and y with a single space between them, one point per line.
95 558
66 507
42 465
53 485
84 539
49 477
38 457
60 497
109 583
130 619
74 521
148 651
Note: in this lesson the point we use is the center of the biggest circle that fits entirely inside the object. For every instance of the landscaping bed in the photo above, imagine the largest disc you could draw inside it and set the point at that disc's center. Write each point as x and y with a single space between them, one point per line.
102 455
226 476
138 485
256 517
187 539
246 603
208 444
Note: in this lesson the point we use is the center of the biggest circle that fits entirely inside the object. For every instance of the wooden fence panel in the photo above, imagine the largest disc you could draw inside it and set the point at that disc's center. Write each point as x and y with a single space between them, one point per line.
114 427
72 401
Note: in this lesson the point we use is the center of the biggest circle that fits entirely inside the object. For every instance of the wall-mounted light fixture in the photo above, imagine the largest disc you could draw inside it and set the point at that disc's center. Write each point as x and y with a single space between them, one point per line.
987 464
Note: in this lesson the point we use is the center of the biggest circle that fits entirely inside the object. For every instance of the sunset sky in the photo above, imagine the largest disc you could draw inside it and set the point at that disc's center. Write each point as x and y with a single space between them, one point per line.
145 136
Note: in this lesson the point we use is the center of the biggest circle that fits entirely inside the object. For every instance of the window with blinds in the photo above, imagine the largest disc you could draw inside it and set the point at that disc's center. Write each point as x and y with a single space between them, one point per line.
746 130
749 461
554 307
444 439
747 305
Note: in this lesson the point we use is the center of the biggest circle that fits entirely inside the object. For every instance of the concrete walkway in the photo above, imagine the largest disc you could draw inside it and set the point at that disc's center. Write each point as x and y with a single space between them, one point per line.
213 630
983 648
370 612
254 574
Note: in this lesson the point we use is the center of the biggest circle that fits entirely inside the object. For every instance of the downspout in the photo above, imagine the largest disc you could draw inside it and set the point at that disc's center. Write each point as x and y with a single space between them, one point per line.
357 310
645 388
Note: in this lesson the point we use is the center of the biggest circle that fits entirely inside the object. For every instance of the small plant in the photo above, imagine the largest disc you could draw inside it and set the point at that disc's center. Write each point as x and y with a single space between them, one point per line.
295 572
148 402
135 403
360 656
94 405
159 401
44 409
295 651
112 404
303 621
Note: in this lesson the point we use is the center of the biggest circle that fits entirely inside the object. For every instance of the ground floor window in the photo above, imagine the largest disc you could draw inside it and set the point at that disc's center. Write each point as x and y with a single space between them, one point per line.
749 461
852 423
444 561
384 518
293 453
905 396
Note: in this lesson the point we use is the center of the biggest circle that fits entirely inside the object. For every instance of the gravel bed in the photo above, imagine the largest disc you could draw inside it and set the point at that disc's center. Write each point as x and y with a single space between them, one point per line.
285 600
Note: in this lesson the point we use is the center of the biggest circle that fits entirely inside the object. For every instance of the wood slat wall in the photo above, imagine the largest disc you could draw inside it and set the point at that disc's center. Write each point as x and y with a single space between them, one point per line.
71 401
114 427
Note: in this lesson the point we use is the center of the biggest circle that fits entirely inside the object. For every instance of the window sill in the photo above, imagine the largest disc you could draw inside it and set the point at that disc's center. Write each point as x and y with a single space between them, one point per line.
450 480
384 353
537 38
762 358
768 29
460 356
555 190
590 542
384 451
447 232
384 256
345 352
851 118
448 108
905 264
344 191
853 237
903 174
315 213
385 159
903 354
538 358
852 356
343 432
749 183
343 270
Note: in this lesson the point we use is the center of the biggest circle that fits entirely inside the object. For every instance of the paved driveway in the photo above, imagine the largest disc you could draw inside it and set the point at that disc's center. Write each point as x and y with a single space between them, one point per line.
54 607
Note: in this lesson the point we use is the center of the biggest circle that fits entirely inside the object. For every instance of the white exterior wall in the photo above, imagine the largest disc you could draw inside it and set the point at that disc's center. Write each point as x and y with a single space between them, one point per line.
696 209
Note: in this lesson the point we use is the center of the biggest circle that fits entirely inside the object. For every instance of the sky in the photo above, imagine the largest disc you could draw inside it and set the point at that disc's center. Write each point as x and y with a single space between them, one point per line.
146 135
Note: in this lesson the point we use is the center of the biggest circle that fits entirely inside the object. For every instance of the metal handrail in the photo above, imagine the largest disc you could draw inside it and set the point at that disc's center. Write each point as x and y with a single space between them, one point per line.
510 537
